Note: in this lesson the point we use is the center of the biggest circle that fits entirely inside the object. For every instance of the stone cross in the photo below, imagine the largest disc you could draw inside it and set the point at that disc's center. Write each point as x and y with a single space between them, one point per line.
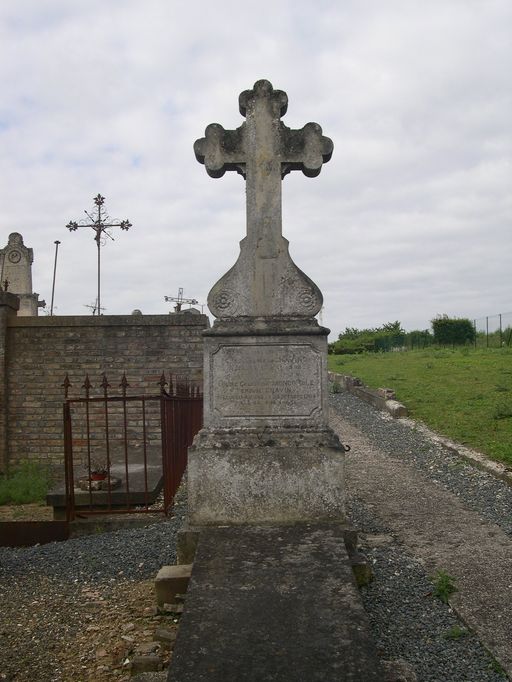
264 150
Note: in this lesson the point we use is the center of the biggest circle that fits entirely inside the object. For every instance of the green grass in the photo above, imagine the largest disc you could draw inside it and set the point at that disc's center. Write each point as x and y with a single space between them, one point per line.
465 394
28 483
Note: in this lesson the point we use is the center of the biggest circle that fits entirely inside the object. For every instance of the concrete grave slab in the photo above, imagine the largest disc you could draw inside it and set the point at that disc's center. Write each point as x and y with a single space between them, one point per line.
273 603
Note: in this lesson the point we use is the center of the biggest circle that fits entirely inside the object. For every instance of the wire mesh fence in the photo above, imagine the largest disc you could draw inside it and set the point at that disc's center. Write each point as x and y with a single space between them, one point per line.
493 331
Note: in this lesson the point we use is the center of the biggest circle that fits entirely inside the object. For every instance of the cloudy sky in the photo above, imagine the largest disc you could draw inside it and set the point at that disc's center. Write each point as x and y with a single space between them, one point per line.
411 218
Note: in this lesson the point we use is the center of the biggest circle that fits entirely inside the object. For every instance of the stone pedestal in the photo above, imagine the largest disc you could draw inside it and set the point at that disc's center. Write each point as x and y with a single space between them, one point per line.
265 453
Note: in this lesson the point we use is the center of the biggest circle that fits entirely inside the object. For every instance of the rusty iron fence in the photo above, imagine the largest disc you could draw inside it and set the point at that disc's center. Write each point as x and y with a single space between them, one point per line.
127 453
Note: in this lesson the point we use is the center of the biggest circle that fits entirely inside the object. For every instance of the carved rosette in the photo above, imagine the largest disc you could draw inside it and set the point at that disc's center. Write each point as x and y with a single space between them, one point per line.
224 302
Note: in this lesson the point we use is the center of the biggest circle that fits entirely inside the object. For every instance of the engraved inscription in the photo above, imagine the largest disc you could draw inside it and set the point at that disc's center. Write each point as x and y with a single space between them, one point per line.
266 380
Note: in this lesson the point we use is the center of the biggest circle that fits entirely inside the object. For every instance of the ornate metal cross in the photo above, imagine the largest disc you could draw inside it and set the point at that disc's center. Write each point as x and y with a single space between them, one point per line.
263 150
100 224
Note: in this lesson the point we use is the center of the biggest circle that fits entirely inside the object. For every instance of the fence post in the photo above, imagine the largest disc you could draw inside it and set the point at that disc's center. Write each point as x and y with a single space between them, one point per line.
68 464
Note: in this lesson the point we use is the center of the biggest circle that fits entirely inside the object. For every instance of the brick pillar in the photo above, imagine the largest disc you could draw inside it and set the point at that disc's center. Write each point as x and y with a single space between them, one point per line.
9 304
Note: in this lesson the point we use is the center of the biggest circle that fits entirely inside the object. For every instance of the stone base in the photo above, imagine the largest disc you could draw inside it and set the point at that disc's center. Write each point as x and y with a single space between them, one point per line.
265 476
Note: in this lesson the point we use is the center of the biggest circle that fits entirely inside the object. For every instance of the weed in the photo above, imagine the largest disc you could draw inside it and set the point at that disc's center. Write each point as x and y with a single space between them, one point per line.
496 667
458 464
444 586
28 483
335 387
499 388
456 632
502 412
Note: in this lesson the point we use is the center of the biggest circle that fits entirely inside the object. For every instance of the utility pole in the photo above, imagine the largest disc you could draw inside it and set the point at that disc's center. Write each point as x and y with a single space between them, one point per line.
100 223
54 273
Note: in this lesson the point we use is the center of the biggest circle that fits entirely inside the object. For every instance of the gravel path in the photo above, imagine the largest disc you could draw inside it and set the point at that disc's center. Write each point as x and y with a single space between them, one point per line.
420 508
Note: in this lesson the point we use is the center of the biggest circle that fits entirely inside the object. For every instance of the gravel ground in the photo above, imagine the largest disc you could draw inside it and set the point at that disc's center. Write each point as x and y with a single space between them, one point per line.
482 492
64 604
126 554
79 610
407 621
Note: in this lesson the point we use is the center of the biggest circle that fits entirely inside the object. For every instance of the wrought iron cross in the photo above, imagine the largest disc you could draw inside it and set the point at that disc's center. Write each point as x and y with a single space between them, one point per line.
263 150
100 224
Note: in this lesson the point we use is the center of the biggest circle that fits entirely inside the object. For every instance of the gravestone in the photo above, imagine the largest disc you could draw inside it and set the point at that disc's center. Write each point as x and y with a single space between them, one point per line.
266 452
271 594
16 270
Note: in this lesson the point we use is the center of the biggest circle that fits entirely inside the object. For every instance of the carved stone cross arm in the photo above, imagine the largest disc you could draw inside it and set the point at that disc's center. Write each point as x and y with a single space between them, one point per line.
264 281
221 150
306 150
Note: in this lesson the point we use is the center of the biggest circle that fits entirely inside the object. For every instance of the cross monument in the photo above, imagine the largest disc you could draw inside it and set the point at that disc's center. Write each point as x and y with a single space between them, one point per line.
265 281
266 452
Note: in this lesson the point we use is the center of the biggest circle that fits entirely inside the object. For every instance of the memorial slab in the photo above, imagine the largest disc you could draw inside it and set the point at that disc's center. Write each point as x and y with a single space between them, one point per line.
273 603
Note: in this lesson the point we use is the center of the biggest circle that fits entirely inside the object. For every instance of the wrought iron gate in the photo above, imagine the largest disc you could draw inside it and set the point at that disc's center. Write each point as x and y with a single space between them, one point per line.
127 453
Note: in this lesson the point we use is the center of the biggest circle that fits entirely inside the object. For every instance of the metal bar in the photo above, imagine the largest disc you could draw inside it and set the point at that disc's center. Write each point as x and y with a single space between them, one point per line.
105 386
166 451
114 399
98 512
87 386
99 251
54 273
145 451
68 464
124 385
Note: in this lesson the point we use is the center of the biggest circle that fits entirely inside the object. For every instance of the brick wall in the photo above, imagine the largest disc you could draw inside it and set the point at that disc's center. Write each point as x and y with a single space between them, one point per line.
39 351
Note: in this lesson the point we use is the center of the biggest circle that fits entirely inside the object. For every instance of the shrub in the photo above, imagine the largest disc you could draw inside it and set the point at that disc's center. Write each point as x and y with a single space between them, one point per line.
453 331
28 483
384 338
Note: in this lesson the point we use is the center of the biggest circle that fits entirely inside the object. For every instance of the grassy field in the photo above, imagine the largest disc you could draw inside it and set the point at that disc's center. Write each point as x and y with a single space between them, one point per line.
465 394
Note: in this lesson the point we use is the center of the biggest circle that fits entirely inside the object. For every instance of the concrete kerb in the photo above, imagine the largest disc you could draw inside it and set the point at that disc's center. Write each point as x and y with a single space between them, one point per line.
379 399
474 457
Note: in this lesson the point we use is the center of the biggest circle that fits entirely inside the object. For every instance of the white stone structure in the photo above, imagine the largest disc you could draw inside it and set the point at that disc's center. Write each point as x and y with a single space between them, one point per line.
16 274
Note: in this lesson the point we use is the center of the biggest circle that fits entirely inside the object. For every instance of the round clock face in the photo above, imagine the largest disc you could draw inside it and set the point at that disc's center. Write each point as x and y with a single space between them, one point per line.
14 256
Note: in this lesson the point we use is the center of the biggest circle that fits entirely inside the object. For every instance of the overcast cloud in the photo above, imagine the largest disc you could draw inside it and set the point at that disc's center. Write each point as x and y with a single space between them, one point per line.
410 218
